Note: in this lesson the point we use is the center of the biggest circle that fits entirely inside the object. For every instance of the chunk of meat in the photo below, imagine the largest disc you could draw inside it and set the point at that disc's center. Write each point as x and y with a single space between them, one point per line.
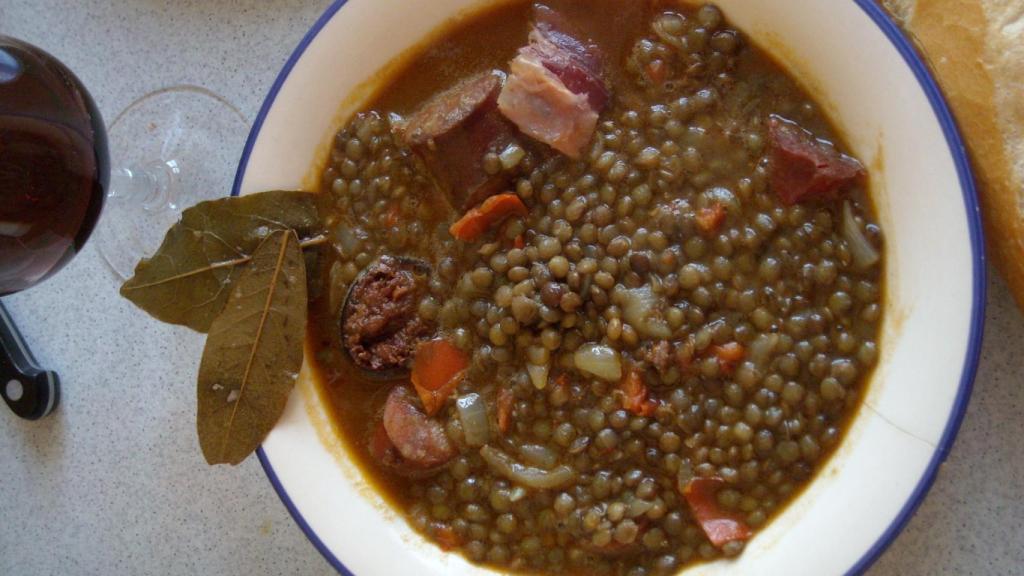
720 526
660 355
380 323
544 109
419 440
555 90
453 132
635 396
576 64
804 168
383 450
384 453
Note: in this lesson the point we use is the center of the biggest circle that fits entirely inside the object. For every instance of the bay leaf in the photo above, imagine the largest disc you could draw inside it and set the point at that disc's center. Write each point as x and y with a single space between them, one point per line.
188 279
253 352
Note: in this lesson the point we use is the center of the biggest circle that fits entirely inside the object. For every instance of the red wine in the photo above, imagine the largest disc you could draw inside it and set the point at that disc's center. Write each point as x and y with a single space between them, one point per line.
54 165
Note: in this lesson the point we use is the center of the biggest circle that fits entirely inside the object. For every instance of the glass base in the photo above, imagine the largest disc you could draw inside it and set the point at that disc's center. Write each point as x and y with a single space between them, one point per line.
171 149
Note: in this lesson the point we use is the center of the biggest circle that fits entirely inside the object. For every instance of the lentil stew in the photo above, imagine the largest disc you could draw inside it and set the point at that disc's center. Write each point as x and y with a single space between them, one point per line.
597 299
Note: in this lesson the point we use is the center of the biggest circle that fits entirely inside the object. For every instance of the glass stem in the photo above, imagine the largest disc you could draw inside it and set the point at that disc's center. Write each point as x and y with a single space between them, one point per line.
153 185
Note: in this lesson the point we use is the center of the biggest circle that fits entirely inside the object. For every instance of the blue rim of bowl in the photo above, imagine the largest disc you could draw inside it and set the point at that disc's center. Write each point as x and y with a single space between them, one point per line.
970 366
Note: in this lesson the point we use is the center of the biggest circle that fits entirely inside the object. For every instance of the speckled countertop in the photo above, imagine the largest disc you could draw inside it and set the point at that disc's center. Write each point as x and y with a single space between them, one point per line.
114 483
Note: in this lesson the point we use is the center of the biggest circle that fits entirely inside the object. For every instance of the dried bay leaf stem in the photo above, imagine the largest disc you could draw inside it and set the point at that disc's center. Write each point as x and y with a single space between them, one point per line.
308 243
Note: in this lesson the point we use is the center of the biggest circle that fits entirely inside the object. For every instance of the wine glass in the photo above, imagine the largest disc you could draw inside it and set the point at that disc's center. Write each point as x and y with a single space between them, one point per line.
56 177
169 153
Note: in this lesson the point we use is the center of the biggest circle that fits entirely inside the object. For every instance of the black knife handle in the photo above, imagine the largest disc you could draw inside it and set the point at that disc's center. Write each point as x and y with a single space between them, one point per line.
28 390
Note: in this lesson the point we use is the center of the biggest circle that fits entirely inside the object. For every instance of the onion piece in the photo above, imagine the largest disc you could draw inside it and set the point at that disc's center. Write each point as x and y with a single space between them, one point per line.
500 463
538 455
643 310
864 254
598 360
538 375
473 413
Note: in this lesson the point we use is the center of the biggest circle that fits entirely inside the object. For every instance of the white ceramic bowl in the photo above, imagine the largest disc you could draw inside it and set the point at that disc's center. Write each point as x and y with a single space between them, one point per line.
867 76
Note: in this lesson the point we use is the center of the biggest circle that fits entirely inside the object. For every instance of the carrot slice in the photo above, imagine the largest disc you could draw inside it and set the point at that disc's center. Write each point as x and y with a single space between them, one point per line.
519 242
709 220
481 218
505 403
437 369
729 355
635 395
720 526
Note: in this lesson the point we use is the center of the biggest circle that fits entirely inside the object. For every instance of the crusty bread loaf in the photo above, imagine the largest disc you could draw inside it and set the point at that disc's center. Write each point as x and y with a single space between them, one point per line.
976 48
